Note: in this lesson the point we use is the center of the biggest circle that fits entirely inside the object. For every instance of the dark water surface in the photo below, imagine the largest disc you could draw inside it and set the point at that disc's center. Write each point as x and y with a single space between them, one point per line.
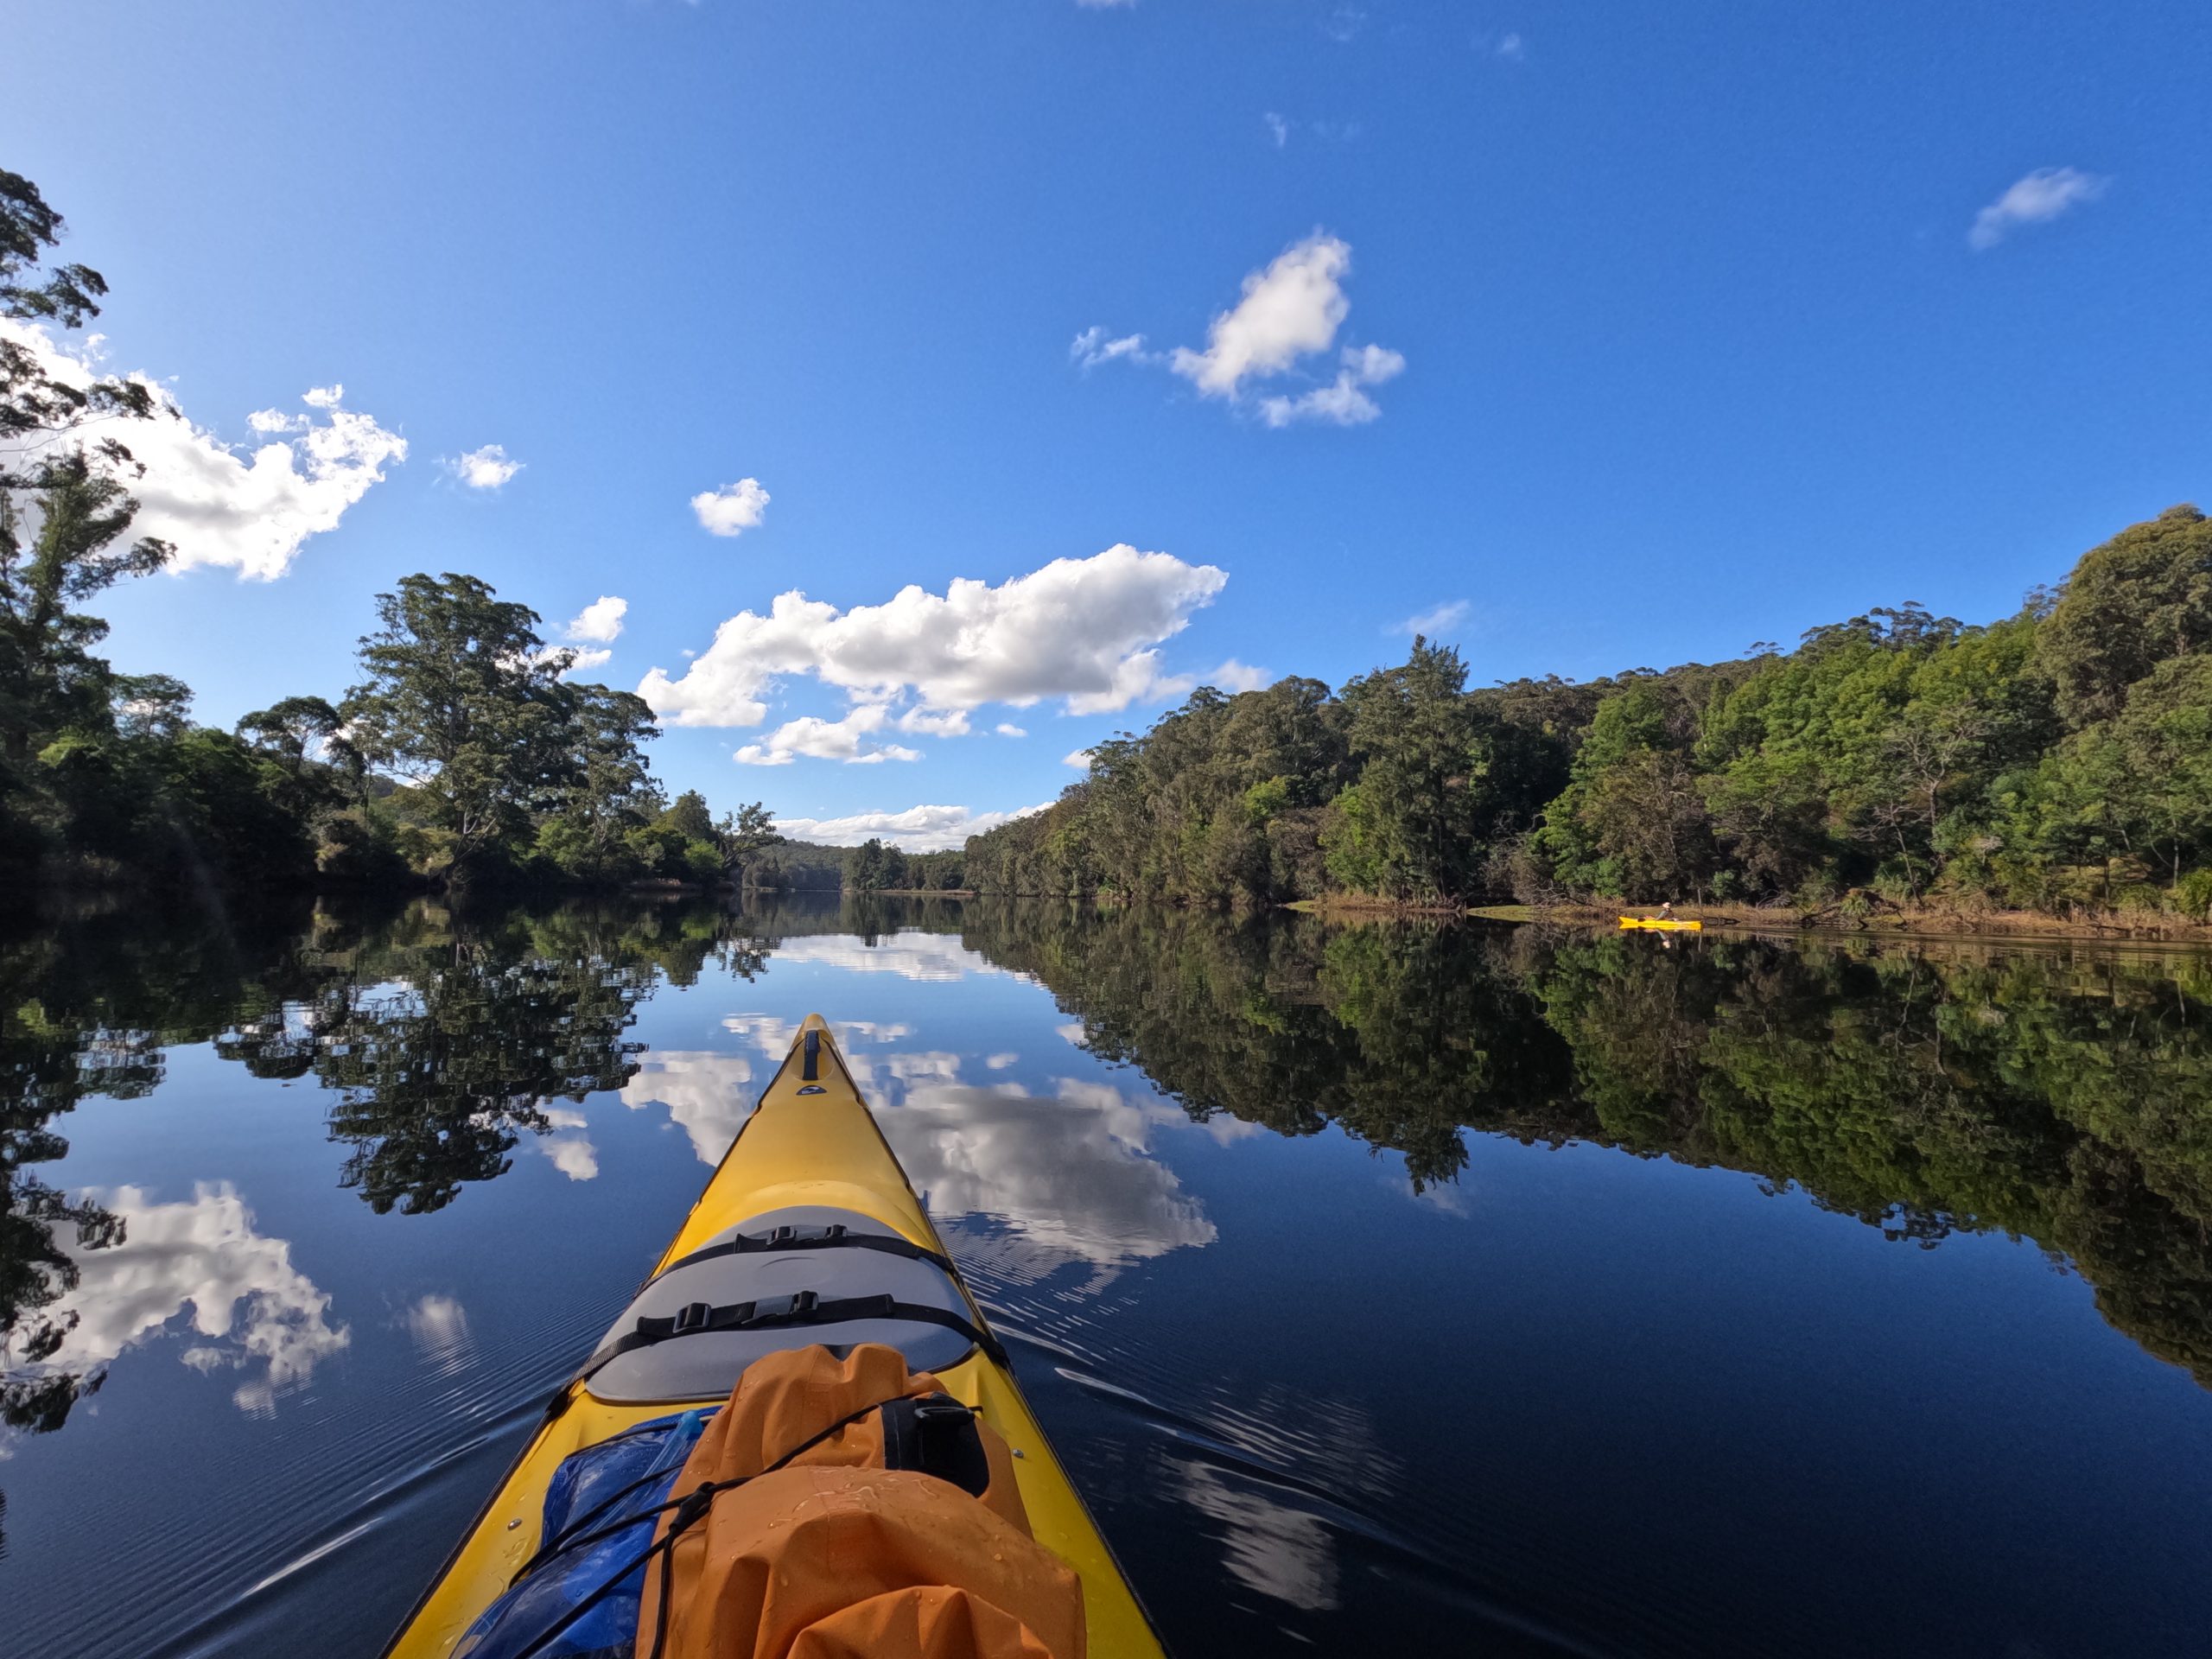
1386 1289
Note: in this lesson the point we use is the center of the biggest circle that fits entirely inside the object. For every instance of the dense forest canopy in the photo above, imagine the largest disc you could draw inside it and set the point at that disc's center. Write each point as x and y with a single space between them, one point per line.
2060 759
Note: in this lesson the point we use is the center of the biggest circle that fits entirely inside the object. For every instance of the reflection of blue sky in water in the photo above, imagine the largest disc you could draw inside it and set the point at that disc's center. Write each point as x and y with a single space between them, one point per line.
252 1311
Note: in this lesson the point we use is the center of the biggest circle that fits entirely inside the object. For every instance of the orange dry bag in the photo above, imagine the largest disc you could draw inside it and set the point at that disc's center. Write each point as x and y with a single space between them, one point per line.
841 1507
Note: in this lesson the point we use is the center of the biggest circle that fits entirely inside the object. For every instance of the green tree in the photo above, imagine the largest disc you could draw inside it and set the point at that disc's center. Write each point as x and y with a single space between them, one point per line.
2143 598
1405 829
65 511
611 791
462 698
1632 822
2140 784
870 871
687 814
744 835
36 405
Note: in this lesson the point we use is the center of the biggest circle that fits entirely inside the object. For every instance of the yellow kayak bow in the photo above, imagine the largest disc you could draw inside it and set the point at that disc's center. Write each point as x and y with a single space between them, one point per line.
810 1147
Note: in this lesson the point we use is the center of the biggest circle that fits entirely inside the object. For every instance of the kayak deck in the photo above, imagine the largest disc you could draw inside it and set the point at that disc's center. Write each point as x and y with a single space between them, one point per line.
819 1147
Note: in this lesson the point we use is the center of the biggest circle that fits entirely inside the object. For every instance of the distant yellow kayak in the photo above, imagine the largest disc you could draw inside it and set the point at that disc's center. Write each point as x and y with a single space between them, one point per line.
1654 923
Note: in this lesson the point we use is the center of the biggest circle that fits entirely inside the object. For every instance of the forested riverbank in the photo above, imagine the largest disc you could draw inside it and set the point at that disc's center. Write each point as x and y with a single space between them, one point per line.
2058 760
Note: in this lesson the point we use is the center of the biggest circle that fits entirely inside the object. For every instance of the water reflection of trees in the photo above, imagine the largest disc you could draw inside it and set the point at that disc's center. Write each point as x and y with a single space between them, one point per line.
87 1004
2061 1096
441 1038
2065 1096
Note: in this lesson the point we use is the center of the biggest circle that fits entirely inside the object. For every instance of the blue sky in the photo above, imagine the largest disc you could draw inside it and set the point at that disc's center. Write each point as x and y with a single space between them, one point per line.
1690 326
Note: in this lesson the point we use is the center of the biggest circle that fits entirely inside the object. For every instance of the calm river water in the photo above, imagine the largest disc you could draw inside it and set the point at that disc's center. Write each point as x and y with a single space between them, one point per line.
1386 1289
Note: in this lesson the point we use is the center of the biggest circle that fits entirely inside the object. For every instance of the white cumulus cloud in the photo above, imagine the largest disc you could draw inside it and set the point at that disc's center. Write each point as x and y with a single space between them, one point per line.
733 510
1293 307
1091 348
1084 631
220 506
1079 759
1233 676
1289 313
917 829
2042 195
935 722
600 619
1435 620
483 469
828 739
1344 402
1008 728
1278 129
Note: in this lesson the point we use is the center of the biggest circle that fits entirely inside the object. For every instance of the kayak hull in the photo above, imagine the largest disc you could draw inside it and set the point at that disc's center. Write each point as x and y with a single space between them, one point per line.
1652 924
818 1149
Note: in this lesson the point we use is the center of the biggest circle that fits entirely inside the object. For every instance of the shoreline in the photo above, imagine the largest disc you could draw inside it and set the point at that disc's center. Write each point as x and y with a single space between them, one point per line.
1894 924
1891 923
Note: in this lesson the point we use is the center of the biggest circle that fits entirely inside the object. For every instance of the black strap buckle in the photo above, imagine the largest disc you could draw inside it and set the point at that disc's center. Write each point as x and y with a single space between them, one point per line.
786 1234
692 1316
794 1305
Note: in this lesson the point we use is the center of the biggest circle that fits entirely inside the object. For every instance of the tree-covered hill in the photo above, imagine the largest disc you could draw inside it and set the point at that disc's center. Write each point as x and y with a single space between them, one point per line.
2059 760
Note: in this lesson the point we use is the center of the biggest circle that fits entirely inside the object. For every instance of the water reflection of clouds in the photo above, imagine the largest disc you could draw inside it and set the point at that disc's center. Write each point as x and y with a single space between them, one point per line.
438 1326
571 1150
1292 1471
203 1254
1269 1545
884 1079
1073 1177
704 1092
910 954
773 1034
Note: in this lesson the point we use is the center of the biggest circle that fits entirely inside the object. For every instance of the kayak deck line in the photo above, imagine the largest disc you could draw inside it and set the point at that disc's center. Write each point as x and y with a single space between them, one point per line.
811 1146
